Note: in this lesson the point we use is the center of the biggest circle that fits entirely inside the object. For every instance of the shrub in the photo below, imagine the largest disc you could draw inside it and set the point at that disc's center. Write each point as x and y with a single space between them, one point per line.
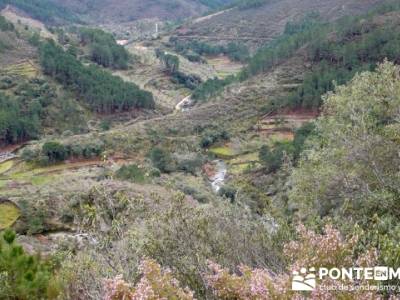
356 146
155 283
190 165
54 151
300 138
33 218
161 159
211 88
131 172
329 249
228 192
105 125
190 81
5 25
272 159
211 137
29 154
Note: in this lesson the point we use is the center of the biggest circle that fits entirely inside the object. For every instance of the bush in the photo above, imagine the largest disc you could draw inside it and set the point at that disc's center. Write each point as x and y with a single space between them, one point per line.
211 137
92 150
29 154
197 194
190 81
131 173
161 159
228 192
357 134
190 165
328 250
5 25
105 125
33 217
300 138
54 151
272 159
156 283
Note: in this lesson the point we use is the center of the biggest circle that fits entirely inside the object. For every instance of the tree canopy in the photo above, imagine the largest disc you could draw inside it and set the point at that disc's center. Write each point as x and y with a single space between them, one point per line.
351 166
101 91
104 50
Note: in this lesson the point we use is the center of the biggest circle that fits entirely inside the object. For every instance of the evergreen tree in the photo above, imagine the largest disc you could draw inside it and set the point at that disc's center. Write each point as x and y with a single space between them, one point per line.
23 276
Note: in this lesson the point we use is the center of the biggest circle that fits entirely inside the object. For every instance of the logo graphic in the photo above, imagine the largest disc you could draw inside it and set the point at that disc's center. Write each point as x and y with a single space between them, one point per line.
304 281
381 273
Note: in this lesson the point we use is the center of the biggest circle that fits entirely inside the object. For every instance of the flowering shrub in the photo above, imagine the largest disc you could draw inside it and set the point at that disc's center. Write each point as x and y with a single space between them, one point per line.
155 284
251 284
328 250
311 250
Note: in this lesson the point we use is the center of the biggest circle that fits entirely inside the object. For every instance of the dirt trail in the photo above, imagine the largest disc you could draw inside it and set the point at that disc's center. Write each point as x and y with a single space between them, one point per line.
201 19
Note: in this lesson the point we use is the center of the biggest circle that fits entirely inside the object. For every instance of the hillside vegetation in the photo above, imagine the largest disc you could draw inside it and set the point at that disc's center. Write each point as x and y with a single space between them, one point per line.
258 22
144 172
103 48
32 105
336 51
112 11
44 10
98 88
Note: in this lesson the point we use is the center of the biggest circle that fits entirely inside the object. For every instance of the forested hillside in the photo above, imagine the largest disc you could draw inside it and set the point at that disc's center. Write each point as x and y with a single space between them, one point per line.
32 105
336 51
103 92
43 10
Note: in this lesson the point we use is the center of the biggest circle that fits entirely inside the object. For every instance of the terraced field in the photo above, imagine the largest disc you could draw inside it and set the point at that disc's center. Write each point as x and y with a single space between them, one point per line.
24 69
223 66
282 126
150 75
